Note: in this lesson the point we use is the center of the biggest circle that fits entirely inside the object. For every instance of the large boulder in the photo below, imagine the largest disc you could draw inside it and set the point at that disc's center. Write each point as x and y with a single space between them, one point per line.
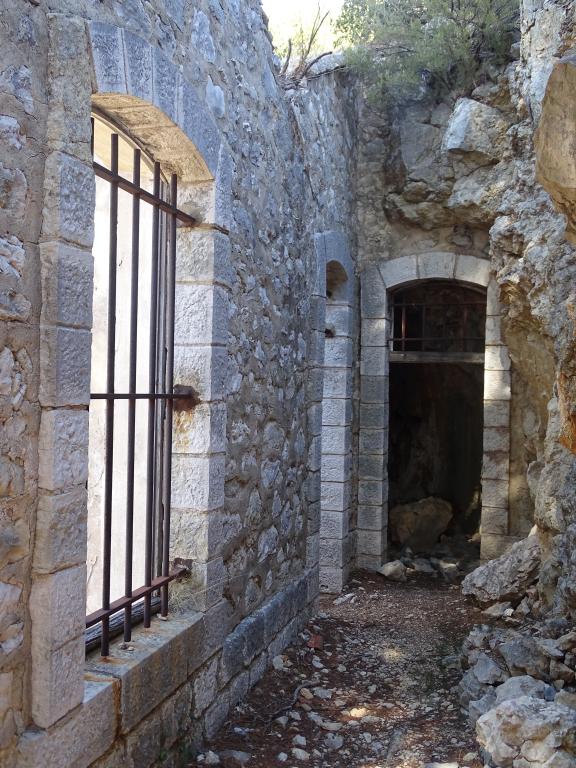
476 131
529 731
508 577
419 525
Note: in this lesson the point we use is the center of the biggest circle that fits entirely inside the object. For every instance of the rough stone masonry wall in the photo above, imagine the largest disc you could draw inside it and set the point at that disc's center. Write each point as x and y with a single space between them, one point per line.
520 683
289 180
22 133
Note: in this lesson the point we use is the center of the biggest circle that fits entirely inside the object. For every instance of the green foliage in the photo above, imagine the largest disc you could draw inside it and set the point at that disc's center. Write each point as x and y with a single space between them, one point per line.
414 48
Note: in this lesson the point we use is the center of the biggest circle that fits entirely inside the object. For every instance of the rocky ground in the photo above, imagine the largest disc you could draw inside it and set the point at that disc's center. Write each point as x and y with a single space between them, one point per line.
373 681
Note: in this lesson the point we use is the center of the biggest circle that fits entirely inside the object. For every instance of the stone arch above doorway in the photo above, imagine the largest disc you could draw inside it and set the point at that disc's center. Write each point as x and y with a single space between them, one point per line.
376 282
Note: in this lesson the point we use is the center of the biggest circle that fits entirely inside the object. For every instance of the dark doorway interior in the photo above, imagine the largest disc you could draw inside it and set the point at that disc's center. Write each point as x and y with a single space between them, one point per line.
436 419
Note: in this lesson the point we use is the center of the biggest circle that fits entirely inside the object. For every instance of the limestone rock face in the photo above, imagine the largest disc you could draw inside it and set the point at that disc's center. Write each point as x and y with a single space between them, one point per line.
476 131
420 525
529 731
508 577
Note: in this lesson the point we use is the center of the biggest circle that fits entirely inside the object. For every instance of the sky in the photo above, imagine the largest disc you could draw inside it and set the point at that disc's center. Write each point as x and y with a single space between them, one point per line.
285 15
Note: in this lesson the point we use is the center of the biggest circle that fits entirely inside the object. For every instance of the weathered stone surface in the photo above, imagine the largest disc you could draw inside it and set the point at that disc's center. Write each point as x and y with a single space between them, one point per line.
488 671
524 685
554 139
528 730
394 571
420 525
475 131
523 655
508 577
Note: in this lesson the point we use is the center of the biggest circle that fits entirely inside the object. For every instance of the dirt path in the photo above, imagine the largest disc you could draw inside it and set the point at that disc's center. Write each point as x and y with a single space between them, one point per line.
375 690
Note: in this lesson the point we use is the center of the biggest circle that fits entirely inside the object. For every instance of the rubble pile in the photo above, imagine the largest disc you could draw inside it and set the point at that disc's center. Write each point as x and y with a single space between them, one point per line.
519 688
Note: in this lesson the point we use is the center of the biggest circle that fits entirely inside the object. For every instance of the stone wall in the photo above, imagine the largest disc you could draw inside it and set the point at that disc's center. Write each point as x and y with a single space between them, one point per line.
197 82
511 684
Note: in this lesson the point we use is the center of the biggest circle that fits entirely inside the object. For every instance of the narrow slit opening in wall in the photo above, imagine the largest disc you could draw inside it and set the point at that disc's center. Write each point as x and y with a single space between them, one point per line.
130 432
436 384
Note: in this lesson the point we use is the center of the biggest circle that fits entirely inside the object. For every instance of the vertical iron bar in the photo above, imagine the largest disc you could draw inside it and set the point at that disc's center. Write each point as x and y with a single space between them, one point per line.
168 388
110 375
403 327
134 279
465 329
150 489
160 383
423 332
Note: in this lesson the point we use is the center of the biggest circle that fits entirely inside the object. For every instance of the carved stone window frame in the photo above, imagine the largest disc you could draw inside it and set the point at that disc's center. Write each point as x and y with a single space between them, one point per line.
102 65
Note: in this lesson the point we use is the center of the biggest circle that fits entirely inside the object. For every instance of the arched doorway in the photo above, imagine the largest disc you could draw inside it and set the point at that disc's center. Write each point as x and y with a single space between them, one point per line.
436 386
378 285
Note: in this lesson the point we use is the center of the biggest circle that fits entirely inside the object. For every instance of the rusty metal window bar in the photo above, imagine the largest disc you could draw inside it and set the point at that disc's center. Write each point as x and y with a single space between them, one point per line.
119 485
437 326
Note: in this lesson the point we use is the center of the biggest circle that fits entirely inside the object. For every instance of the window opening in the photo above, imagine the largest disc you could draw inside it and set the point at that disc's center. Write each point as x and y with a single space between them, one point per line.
438 318
132 389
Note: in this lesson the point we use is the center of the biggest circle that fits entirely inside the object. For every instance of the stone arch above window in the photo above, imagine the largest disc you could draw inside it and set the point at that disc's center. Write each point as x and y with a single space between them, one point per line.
145 89
435 265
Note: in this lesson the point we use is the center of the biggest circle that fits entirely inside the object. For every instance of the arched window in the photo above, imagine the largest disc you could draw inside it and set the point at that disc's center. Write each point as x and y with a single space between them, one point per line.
439 317
130 441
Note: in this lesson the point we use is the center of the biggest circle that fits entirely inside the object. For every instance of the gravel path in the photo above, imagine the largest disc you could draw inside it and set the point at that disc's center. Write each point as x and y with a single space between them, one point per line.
369 684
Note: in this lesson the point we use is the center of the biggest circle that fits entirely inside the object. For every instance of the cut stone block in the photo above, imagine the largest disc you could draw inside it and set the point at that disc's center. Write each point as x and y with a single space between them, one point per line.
371 543
60 531
336 468
496 385
471 269
373 293
63 449
374 332
65 366
496 358
57 678
334 525
398 271
154 669
372 518
436 265
335 496
80 739
494 521
374 361
336 412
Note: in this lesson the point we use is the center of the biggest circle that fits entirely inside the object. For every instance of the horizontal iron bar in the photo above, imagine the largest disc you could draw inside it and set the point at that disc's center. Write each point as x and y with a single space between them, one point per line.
437 338
93 634
399 304
472 358
137 594
134 396
143 194
183 218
